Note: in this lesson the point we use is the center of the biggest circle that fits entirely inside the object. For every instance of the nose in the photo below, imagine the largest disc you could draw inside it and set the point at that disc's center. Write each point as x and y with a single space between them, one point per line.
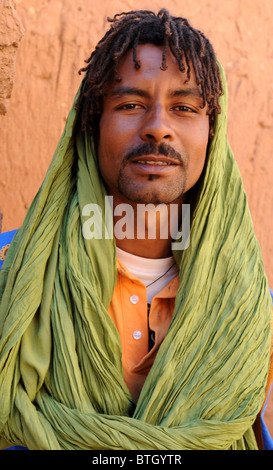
156 126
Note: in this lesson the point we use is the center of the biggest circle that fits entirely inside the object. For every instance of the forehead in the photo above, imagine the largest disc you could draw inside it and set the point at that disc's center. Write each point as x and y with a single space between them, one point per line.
150 58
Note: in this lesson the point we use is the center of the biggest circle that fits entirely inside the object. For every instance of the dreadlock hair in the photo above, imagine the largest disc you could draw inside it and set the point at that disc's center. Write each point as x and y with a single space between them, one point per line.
128 30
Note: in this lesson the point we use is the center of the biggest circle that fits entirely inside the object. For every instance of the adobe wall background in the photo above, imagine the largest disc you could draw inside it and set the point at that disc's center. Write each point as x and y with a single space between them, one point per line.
11 32
58 36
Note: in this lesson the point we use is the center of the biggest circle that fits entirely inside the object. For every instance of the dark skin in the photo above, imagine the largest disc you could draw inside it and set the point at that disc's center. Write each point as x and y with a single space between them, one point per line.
151 106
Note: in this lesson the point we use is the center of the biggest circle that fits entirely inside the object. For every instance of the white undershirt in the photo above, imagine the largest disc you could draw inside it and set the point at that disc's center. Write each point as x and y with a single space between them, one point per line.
148 270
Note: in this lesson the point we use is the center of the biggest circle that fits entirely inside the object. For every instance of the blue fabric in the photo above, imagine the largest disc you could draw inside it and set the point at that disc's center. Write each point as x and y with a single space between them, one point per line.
16 448
6 238
268 441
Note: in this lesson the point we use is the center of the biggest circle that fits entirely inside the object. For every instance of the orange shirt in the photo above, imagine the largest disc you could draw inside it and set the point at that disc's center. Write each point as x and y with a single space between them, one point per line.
128 310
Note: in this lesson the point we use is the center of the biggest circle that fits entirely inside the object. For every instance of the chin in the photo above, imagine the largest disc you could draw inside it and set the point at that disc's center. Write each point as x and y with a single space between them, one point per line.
152 197
152 189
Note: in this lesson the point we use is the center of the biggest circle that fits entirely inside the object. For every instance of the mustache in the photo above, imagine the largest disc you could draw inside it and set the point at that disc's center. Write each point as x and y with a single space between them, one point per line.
150 148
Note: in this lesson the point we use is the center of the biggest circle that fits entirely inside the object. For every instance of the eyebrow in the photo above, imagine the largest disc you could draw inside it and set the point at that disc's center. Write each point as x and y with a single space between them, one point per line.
191 91
126 90
183 92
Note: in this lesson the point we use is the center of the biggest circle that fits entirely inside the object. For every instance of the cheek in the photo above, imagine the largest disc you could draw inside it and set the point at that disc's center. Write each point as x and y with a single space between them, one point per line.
197 151
117 136
111 137
110 151
106 142
201 140
106 162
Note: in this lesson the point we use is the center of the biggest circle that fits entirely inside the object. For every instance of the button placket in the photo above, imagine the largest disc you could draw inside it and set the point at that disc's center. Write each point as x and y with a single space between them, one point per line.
134 299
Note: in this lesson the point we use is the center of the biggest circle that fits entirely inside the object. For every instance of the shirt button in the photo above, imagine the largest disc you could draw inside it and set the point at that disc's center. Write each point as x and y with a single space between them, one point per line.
134 299
137 334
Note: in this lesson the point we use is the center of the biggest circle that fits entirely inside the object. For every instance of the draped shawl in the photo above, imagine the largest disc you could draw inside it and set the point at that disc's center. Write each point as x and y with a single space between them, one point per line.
61 379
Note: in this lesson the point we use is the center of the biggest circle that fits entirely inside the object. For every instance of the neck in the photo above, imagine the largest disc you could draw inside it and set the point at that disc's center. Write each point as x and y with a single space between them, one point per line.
146 230
146 248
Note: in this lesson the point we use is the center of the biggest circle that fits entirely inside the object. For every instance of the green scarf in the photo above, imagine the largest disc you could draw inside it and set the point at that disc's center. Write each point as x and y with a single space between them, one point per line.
61 379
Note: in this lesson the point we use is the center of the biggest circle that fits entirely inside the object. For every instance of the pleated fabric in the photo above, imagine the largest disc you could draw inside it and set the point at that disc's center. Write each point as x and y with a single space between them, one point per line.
61 379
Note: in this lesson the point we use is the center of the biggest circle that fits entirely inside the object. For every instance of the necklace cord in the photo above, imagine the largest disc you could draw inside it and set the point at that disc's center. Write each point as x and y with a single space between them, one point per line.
162 275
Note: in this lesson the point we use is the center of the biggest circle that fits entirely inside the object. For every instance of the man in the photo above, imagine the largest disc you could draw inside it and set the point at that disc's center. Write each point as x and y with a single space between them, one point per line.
85 363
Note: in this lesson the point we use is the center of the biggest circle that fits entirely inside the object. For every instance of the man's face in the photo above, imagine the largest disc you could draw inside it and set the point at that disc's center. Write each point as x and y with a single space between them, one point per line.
153 131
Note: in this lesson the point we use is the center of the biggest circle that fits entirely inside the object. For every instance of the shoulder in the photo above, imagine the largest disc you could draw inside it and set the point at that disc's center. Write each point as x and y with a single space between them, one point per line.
5 241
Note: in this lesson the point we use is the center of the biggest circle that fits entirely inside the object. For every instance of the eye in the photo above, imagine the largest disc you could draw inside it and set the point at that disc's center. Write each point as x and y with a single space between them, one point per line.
129 106
183 108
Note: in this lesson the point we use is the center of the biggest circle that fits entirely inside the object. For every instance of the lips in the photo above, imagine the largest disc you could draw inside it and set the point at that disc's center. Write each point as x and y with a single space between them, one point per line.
157 165
155 160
